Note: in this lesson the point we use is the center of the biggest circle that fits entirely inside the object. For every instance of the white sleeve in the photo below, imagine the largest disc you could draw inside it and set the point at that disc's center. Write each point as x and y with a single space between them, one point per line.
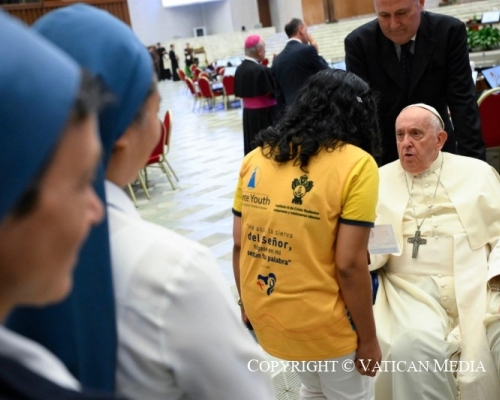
205 340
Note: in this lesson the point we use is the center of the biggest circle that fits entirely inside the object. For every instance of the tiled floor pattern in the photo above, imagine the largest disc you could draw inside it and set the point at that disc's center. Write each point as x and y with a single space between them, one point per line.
206 152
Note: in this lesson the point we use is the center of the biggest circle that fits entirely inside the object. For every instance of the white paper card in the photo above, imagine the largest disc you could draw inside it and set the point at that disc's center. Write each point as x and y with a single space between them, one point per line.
490 17
383 240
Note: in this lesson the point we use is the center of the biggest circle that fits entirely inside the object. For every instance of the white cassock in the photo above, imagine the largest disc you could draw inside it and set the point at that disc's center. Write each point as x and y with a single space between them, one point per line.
437 306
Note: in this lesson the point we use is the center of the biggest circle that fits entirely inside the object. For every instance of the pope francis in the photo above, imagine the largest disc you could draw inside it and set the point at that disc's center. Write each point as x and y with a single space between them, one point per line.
437 309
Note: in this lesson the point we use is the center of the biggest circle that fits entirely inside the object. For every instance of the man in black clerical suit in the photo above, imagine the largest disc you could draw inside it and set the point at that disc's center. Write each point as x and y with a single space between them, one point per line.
174 62
297 62
164 71
409 56
253 83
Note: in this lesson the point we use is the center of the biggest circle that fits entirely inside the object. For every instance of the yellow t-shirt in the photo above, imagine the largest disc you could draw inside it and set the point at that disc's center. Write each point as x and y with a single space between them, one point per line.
287 262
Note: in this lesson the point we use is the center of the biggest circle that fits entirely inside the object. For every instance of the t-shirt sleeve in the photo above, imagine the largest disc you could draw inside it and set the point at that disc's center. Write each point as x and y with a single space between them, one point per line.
360 194
237 204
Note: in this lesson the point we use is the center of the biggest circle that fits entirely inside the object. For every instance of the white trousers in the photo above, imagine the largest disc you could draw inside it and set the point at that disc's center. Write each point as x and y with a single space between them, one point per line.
422 336
340 384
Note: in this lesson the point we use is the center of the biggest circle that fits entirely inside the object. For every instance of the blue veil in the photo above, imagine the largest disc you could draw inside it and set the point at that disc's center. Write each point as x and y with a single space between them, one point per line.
82 330
35 106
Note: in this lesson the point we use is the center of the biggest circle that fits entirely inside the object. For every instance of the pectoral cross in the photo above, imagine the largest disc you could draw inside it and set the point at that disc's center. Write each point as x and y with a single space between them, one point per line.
416 241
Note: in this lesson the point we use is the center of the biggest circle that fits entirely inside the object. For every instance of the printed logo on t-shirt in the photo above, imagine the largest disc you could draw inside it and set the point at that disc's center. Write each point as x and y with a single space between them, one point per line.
300 187
267 280
254 178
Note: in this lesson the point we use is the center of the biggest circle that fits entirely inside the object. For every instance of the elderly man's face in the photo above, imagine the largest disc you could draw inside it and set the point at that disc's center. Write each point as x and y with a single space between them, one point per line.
418 139
399 19
261 50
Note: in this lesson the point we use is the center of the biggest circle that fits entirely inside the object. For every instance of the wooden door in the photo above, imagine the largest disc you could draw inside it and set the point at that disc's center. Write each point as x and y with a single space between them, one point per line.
314 12
352 8
30 12
264 13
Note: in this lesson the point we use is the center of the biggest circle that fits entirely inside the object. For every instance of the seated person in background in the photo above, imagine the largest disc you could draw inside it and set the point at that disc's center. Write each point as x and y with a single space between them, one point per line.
303 209
210 67
434 302
254 84
48 156
178 335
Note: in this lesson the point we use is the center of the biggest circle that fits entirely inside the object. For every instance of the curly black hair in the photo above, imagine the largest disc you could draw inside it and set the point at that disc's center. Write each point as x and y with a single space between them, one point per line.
332 109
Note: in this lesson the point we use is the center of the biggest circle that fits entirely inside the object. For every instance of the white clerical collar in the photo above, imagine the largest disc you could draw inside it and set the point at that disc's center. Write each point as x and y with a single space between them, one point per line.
433 168
252 59
436 164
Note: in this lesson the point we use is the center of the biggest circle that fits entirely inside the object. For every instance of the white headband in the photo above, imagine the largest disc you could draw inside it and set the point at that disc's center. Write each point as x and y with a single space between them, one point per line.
428 108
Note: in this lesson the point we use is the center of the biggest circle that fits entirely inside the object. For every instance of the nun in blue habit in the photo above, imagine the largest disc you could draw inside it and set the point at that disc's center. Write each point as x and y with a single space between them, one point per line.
81 331
49 151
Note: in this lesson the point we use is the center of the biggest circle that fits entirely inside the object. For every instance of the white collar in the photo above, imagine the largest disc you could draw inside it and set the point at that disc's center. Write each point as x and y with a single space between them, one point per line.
116 198
252 59
433 168
36 358
297 40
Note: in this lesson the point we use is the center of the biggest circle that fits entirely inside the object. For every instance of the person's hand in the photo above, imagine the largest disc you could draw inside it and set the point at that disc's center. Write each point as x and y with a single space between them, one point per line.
313 43
244 317
368 357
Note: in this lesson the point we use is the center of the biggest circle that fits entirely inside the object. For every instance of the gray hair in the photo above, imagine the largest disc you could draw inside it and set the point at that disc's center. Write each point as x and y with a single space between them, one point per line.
252 51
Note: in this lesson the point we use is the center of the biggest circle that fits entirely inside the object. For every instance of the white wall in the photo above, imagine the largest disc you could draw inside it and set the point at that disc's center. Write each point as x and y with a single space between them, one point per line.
283 11
222 45
153 23
244 13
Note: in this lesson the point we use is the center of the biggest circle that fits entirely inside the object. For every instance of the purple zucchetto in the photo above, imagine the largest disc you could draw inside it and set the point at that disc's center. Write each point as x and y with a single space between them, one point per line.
39 84
252 41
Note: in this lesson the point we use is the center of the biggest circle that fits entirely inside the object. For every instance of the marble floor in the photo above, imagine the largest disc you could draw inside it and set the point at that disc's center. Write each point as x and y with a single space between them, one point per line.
206 150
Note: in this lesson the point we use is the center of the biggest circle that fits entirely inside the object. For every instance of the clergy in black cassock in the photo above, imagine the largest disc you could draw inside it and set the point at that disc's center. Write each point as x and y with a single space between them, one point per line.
254 84
174 61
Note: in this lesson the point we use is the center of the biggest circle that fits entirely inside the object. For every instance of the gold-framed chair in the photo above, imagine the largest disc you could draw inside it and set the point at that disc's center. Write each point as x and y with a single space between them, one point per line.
207 93
158 156
197 97
228 87
144 187
167 123
489 109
